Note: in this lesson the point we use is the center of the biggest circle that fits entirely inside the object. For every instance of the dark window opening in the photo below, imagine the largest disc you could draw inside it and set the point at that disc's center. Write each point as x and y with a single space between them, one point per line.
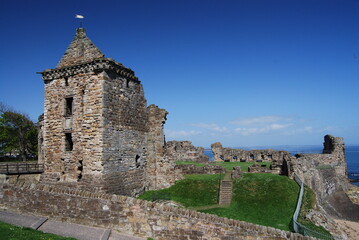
284 169
69 103
80 168
66 81
251 156
270 156
68 142
138 164
262 156
235 157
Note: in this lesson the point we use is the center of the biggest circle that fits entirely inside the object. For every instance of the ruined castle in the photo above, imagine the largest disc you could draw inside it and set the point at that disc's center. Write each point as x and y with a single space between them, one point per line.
101 145
97 130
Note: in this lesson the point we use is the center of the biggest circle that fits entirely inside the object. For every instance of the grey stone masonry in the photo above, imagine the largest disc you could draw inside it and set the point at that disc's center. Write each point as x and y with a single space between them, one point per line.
225 192
185 151
80 50
97 129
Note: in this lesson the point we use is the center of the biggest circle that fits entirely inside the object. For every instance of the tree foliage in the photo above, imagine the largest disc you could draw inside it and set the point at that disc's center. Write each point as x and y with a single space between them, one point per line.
17 133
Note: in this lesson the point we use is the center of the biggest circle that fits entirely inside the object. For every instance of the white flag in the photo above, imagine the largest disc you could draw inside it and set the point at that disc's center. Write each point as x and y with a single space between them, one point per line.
79 16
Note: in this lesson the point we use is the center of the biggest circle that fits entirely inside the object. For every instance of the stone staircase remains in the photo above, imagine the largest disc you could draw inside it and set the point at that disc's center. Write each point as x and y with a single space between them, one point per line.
225 192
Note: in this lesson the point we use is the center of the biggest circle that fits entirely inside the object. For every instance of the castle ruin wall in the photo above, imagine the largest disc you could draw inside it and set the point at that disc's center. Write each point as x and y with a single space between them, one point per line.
235 155
185 151
326 175
129 215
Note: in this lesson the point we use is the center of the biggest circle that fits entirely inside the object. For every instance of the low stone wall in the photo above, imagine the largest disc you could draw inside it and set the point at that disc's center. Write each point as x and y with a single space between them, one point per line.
193 169
259 169
236 155
129 215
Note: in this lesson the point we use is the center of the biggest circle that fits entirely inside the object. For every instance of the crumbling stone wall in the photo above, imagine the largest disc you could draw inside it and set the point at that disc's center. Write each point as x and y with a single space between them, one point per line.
236 155
160 171
326 175
40 139
192 169
185 151
129 215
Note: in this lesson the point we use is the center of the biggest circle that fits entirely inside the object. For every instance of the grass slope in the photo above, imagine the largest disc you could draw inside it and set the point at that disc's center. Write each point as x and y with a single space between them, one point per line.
193 191
12 232
264 199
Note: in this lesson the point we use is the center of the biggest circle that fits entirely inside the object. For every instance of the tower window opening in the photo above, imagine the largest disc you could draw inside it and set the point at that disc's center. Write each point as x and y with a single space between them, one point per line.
138 164
68 142
69 103
66 81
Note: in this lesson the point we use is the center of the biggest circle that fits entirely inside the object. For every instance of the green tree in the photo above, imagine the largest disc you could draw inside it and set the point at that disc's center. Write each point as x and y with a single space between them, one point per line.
17 133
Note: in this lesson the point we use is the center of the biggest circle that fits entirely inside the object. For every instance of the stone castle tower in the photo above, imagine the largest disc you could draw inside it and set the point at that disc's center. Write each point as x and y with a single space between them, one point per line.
98 132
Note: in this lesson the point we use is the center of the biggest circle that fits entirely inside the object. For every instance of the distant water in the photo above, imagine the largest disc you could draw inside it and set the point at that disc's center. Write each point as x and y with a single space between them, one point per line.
351 153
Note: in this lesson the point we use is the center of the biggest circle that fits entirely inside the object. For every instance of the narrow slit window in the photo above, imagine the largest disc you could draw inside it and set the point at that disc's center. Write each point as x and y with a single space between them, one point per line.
68 142
69 103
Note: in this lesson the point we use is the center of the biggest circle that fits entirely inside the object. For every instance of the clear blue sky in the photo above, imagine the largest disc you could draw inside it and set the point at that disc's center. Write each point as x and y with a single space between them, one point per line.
245 73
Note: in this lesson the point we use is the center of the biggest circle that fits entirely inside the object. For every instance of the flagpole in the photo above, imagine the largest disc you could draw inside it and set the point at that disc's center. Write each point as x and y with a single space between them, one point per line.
79 17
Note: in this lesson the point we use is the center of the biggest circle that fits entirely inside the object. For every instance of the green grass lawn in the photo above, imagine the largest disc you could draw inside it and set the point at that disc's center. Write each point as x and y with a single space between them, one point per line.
12 232
227 165
193 191
261 198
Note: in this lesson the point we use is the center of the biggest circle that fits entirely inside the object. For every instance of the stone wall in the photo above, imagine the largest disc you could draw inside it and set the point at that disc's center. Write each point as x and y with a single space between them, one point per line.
236 155
83 125
326 175
160 171
185 151
193 169
125 120
40 139
129 215
256 168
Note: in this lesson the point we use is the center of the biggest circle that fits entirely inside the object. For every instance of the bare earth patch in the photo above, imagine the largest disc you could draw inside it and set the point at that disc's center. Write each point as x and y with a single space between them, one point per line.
350 228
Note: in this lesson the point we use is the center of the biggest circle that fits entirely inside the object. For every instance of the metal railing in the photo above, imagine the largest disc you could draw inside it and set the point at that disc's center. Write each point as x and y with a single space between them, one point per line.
21 168
298 227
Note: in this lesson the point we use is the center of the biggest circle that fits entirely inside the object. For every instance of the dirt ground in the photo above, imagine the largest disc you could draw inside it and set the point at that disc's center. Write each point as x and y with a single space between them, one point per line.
350 228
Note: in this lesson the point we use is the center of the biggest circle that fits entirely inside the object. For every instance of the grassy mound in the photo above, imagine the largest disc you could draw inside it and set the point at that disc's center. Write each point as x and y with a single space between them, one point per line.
264 199
193 191
259 198
8 231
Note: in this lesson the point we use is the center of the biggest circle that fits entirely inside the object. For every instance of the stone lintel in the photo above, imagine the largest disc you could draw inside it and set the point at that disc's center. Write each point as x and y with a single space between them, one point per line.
96 65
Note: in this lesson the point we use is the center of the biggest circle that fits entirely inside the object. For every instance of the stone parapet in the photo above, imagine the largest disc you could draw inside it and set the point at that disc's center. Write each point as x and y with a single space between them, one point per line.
95 65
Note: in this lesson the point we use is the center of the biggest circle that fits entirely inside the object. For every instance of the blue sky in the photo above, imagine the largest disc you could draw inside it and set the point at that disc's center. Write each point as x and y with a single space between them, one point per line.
245 73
